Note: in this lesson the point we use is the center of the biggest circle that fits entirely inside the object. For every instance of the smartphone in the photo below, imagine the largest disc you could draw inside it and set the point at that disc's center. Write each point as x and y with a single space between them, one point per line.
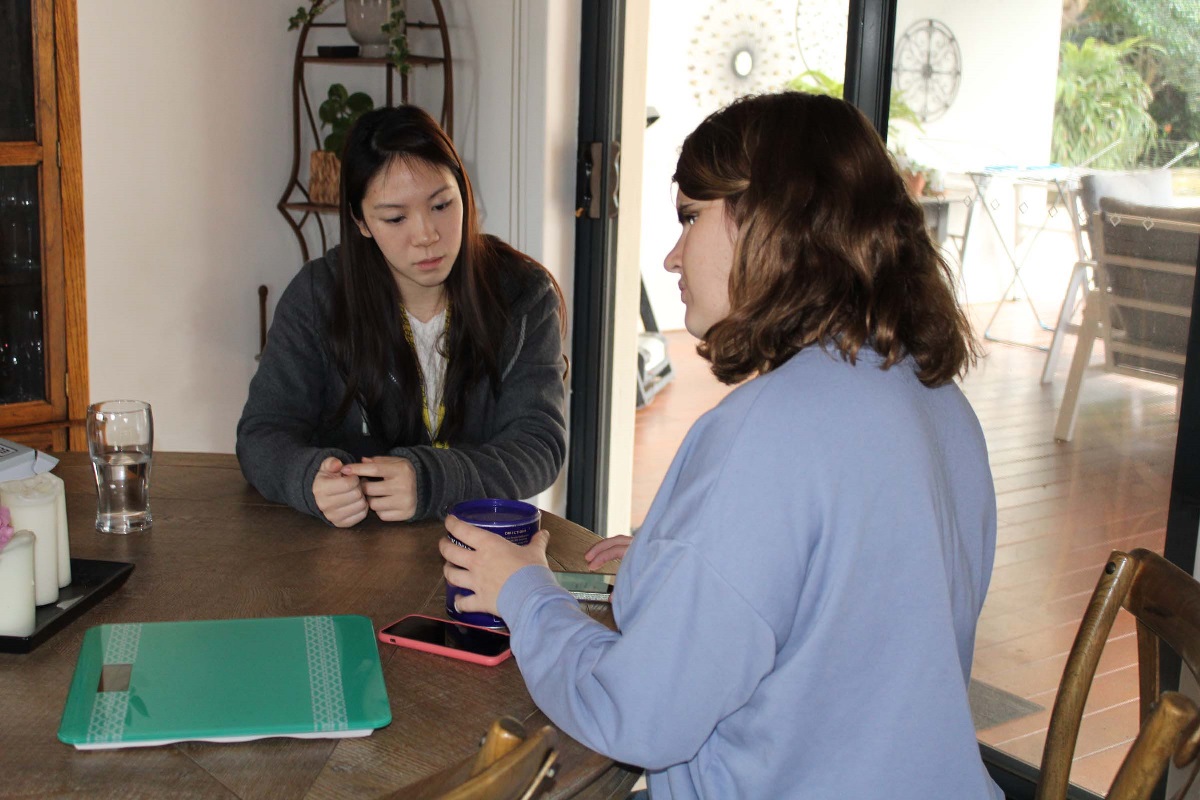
446 638
595 587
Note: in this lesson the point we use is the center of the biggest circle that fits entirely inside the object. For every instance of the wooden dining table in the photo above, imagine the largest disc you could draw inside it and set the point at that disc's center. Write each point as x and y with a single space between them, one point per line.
218 550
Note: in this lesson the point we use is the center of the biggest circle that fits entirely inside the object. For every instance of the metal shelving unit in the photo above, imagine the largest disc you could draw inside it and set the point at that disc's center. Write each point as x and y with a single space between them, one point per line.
295 204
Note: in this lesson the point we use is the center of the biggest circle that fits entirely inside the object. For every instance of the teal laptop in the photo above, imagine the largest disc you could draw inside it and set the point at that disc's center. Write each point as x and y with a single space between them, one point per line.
233 680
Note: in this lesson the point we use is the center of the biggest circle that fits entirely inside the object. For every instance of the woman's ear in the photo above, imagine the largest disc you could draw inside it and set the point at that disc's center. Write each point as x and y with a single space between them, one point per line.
362 228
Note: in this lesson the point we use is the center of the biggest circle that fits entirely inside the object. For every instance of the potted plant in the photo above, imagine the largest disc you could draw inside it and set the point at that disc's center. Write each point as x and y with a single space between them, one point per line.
921 179
393 29
339 112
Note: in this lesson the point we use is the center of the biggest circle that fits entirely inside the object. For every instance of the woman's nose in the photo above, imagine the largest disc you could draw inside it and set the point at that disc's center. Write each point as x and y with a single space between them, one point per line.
674 260
427 234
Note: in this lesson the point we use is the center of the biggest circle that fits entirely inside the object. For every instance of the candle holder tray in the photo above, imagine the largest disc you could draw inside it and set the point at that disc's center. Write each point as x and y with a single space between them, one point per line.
91 582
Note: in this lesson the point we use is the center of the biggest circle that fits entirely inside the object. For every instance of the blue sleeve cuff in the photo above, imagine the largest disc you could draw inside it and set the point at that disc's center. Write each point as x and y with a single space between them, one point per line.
522 585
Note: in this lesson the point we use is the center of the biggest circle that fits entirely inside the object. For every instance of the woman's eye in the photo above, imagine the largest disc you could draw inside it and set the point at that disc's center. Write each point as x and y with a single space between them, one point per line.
442 206
395 220
687 219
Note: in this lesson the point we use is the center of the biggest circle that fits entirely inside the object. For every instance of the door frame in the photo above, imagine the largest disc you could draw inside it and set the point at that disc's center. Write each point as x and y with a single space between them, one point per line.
593 308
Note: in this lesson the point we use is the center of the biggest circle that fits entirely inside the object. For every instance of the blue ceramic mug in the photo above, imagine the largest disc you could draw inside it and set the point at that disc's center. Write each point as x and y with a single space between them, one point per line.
515 520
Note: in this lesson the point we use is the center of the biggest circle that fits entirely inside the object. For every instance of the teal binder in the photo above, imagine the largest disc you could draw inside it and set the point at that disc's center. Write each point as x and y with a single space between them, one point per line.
153 683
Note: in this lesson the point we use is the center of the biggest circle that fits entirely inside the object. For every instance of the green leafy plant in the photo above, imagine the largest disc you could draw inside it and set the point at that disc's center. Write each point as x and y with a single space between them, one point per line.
1101 105
307 15
340 111
397 30
1172 71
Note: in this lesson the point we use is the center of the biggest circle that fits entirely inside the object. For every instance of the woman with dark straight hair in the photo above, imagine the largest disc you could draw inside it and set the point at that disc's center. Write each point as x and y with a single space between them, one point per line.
418 363
796 617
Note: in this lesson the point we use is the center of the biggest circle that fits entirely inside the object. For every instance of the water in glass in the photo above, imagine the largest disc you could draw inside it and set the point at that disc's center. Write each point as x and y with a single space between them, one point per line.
123 484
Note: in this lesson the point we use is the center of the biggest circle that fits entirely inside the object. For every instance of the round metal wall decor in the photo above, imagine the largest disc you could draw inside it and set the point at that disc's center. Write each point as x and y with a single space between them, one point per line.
927 68
736 50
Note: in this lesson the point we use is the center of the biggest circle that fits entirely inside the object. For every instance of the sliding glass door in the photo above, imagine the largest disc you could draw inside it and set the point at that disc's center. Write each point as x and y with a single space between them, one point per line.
970 98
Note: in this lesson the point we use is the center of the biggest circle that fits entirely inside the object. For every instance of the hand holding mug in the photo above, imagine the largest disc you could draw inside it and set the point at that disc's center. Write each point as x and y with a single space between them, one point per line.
487 566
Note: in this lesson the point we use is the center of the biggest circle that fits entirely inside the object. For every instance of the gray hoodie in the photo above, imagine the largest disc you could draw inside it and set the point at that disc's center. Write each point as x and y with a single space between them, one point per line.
513 442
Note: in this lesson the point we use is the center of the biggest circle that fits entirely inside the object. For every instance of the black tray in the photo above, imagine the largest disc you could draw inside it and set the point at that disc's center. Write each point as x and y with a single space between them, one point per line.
91 581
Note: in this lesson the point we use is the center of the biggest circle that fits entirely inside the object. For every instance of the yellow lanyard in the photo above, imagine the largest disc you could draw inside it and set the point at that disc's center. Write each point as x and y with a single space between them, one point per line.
430 427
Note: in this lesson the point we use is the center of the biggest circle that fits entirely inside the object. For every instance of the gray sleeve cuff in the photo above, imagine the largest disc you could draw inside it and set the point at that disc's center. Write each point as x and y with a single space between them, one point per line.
310 475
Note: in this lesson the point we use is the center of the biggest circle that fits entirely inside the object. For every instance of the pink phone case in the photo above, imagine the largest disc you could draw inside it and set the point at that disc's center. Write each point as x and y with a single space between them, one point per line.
426 647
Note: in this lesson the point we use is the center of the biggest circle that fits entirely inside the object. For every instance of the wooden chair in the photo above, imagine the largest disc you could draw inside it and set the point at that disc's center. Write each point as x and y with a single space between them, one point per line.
1145 269
1165 600
510 765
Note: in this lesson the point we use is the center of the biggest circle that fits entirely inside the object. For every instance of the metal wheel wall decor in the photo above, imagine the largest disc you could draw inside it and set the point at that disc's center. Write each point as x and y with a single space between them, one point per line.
735 50
927 68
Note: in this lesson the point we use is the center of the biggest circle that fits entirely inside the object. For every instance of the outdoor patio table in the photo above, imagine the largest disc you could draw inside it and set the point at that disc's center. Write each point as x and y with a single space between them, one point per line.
1064 182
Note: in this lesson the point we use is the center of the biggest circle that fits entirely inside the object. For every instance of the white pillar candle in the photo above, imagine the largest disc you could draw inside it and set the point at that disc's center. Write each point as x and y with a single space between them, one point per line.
33 506
17 613
64 540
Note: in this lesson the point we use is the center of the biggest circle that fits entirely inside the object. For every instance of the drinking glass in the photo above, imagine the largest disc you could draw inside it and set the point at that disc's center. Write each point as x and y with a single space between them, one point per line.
121 443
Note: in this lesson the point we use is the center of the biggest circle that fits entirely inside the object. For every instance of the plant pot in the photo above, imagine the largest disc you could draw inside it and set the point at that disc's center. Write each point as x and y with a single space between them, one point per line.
364 21
916 183
324 176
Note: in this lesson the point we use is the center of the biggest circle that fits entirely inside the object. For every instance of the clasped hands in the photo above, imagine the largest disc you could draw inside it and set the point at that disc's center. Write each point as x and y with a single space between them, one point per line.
386 485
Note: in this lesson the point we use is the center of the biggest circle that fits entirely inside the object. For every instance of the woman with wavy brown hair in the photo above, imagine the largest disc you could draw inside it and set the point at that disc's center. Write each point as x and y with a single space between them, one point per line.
796 617
418 363
832 250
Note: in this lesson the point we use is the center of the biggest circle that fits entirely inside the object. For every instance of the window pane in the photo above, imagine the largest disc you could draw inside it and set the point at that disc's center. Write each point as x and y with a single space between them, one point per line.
999 120
22 335
17 120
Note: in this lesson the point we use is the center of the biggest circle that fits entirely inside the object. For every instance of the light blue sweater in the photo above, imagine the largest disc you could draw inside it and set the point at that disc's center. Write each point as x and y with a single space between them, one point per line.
797 616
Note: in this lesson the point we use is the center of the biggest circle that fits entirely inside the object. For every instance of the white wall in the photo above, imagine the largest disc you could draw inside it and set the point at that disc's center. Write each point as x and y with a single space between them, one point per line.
1002 114
187 146
185 152
1005 105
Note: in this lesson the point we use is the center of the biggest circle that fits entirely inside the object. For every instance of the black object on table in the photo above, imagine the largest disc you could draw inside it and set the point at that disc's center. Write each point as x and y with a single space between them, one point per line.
91 582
